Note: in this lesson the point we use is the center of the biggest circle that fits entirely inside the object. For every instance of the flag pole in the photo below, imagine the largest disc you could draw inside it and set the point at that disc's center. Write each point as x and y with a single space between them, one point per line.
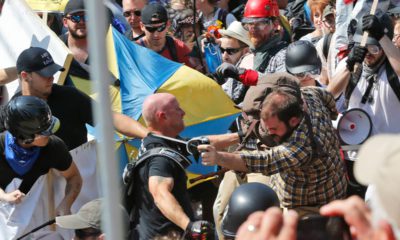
99 74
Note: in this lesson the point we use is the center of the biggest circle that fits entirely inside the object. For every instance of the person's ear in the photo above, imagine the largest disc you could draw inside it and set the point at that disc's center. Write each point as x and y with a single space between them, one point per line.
294 121
65 22
25 76
142 26
102 237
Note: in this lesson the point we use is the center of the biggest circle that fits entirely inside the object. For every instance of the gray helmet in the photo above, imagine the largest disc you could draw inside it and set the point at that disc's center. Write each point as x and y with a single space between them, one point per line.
301 56
26 116
385 21
245 200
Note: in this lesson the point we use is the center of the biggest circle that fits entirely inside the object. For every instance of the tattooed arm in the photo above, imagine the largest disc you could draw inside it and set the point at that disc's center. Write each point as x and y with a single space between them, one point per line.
160 188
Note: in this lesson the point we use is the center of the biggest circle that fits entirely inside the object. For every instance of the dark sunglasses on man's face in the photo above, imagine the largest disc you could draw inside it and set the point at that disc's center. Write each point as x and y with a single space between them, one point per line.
158 29
77 18
137 13
230 51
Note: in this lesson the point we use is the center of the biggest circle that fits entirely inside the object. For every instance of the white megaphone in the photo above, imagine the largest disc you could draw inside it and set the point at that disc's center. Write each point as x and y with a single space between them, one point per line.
354 126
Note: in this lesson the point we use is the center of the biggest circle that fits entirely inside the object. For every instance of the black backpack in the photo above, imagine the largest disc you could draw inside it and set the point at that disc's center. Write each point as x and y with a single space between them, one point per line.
129 178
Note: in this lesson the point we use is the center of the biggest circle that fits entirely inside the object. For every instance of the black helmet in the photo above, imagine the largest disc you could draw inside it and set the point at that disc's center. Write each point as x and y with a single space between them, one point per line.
246 199
26 116
385 21
301 56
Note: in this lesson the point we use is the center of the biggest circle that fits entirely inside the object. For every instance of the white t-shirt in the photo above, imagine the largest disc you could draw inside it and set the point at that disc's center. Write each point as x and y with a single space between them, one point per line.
384 109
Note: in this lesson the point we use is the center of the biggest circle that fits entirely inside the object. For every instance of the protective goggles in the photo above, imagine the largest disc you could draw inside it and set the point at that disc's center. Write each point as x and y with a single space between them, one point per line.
372 48
54 126
77 18
158 28
230 51
257 23
311 74
137 13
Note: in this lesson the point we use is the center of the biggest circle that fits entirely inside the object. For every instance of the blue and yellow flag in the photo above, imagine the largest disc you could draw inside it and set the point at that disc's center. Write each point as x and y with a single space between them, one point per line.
143 72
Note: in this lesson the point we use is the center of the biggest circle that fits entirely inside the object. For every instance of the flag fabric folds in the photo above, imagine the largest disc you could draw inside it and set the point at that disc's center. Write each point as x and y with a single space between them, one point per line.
143 72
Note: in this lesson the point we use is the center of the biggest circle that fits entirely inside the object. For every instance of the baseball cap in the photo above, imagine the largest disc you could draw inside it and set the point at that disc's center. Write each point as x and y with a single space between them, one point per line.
88 216
39 60
236 30
328 10
154 13
74 6
378 164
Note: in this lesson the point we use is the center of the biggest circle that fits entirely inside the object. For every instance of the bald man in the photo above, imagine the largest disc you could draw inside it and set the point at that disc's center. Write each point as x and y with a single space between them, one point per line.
163 205
132 13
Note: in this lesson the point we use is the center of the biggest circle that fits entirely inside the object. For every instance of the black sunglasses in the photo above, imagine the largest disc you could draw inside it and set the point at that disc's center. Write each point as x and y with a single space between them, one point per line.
137 13
230 51
77 18
158 29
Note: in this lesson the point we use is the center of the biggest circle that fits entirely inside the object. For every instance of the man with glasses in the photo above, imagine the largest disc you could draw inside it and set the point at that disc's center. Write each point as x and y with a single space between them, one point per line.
132 10
155 25
375 88
261 21
234 47
75 22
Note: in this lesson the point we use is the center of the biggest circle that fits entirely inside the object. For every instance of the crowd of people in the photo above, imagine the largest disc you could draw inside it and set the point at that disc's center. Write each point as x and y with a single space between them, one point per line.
284 64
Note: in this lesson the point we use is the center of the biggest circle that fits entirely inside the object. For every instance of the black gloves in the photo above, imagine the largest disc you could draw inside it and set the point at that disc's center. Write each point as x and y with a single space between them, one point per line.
226 70
199 230
356 55
373 26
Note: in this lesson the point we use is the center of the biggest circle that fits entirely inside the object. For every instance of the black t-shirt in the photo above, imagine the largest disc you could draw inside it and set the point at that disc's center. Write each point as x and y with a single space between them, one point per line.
150 221
73 108
54 155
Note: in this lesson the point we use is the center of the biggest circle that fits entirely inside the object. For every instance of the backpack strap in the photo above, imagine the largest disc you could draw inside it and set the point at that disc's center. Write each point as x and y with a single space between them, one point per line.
326 43
271 53
393 79
182 161
170 44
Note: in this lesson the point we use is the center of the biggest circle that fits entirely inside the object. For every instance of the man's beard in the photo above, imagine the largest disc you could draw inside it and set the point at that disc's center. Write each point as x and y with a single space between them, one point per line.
77 36
281 139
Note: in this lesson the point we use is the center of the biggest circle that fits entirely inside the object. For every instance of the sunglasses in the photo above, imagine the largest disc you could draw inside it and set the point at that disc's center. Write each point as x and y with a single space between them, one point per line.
158 29
77 18
230 51
137 13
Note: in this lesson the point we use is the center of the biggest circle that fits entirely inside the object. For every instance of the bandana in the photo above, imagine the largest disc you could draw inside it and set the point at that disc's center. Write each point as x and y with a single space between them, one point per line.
20 159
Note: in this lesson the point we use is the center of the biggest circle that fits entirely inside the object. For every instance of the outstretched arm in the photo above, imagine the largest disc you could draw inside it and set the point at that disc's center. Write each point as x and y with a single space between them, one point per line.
72 189
8 75
160 188
210 157
129 126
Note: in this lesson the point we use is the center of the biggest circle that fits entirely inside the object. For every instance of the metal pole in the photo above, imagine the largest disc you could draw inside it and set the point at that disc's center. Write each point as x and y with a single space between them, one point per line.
111 217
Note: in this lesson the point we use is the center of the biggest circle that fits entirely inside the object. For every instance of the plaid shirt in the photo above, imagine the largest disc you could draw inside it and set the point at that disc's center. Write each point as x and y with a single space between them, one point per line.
305 178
